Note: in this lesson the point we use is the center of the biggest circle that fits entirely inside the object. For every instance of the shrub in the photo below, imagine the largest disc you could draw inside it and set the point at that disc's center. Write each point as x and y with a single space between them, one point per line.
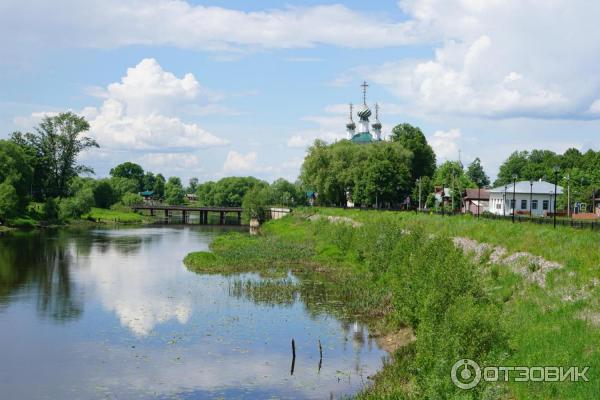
104 194
50 211
75 207
130 199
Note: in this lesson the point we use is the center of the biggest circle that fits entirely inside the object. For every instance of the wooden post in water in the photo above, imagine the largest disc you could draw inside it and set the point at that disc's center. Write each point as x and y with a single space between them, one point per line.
184 216
222 217
293 356
320 355
239 218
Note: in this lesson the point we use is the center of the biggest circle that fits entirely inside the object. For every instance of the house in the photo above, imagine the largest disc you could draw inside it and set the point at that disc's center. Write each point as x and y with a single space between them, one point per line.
596 205
442 196
535 196
148 195
312 197
476 200
191 196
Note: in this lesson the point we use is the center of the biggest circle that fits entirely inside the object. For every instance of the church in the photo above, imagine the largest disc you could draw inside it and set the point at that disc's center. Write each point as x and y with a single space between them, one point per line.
364 135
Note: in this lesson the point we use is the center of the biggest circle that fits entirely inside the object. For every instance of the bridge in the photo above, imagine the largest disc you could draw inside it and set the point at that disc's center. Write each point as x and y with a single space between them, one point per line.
186 211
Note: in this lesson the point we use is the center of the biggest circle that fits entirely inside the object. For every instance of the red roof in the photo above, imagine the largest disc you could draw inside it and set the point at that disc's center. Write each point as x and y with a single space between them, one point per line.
473 194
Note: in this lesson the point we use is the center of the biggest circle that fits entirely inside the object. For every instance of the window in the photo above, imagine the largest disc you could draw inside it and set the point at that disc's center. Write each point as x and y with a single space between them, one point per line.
523 204
534 204
545 204
512 203
498 206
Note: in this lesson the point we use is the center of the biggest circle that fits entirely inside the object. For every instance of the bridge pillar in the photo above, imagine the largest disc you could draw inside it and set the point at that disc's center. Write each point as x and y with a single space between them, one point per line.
184 216
222 217
239 218
152 212
166 213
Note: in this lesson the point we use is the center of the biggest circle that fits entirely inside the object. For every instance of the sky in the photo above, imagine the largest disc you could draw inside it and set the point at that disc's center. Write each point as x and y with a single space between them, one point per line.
215 88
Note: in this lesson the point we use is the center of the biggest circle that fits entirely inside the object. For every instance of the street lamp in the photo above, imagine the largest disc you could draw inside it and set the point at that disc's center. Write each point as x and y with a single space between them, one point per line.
504 205
568 195
555 170
419 180
514 200
530 198
478 196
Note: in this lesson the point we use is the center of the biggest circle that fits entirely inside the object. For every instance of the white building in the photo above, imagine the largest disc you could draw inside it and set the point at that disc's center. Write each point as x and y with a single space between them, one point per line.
537 196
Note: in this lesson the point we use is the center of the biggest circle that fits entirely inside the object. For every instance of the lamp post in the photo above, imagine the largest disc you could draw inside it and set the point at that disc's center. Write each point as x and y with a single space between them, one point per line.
530 198
568 195
478 196
555 170
514 200
452 191
419 180
504 205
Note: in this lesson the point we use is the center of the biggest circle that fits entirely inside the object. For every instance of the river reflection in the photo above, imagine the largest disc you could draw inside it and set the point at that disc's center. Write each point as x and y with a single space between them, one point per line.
115 314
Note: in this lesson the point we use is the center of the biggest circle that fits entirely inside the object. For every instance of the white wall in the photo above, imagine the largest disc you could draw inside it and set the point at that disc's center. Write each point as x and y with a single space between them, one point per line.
499 206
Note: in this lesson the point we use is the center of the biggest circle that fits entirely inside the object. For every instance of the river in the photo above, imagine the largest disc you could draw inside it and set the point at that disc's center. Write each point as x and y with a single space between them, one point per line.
114 314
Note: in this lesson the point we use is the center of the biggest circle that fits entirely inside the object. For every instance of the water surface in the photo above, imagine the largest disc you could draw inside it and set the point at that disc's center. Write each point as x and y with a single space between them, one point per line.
114 314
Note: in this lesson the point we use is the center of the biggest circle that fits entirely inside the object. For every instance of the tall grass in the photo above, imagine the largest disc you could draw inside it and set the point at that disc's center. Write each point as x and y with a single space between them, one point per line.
383 275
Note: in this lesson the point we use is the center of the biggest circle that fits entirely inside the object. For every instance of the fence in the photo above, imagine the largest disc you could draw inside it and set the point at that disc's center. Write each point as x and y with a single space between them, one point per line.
578 224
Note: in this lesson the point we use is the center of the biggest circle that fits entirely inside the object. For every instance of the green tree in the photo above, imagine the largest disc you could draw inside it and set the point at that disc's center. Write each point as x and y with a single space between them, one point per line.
205 193
256 202
227 192
285 193
104 194
384 178
9 201
130 199
329 170
56 144
149 181
367 174
122 186
476 173
451 175
159 186
77 205
413 139
15 171
192 186
174 193
130 170
51 210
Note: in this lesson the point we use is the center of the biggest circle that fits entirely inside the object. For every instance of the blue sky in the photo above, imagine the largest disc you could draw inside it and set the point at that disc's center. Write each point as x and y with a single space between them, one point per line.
217 88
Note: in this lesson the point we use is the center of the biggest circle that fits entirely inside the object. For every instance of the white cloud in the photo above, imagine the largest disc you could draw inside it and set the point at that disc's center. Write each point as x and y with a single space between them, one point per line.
500 59
117 23
445 144
171 161
329 127
238 163
138 112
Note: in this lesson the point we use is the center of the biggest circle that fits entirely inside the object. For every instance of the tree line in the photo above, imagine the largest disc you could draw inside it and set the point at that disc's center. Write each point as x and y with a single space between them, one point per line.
41 168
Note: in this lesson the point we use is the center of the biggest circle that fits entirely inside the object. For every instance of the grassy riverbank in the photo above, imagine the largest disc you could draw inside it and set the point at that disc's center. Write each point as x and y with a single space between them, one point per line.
398 270
122 216
33 219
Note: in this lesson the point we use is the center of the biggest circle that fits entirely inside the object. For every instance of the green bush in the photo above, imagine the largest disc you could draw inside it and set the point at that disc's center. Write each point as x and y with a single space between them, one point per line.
76 206
130 199
51 210
104 194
